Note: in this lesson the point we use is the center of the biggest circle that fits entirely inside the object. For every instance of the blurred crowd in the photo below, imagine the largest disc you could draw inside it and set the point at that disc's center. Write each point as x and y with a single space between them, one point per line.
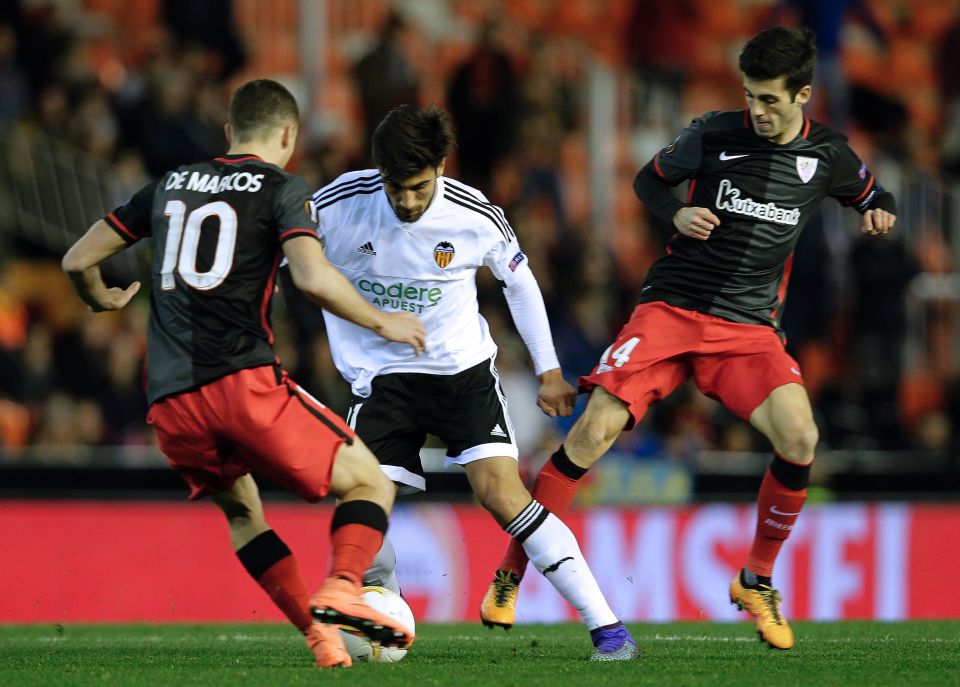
516 89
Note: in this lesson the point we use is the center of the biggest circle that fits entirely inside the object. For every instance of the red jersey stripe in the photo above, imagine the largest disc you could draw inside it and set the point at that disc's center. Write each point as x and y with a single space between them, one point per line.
782 291
300 231
656 166
265 302
117 224
865 191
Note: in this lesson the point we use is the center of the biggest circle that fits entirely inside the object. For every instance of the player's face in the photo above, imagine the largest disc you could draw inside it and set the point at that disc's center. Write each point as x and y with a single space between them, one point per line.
776 116
411 197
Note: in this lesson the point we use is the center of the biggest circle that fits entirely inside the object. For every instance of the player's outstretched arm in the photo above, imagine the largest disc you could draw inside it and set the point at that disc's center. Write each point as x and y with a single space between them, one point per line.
877 222
82 265
313 274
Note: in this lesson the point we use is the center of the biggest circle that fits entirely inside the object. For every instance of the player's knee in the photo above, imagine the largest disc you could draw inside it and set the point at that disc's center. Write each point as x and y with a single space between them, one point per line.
799 442
382 487
589 438
504 507
504 496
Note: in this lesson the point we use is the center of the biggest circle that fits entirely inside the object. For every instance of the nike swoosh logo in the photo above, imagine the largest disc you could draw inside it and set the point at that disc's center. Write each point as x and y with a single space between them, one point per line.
724 156
556 566
773 509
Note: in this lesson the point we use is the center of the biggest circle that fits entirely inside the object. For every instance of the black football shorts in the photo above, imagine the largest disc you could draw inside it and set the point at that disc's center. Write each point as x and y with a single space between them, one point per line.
467 411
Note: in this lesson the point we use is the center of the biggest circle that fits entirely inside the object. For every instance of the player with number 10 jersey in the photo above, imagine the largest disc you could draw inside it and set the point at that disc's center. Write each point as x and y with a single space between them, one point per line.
213 276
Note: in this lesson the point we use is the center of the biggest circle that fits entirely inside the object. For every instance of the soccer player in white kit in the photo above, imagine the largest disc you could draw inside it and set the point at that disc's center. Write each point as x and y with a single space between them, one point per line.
411 239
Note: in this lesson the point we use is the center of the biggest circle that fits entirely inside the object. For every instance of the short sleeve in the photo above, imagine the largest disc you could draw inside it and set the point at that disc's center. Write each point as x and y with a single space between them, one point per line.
852 183
680 160
132 220
296 212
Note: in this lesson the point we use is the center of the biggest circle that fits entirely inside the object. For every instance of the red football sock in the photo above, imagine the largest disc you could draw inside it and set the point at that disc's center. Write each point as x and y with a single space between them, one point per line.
555 487
354 547
777 510
284 583
268 560
356 535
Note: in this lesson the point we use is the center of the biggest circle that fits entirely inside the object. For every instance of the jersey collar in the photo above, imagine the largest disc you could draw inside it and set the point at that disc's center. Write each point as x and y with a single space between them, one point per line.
237 158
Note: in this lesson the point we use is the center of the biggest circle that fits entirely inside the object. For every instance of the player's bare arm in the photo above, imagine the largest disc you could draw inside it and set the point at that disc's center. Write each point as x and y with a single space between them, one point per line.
82 265
695 222
877 222
313 274
556 397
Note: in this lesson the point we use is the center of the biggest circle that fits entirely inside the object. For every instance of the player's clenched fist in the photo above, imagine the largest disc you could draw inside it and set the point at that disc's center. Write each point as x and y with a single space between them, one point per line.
877 221
697 223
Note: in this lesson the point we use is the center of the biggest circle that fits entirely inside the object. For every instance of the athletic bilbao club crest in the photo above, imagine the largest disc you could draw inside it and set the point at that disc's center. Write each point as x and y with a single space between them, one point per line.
443 253
806 167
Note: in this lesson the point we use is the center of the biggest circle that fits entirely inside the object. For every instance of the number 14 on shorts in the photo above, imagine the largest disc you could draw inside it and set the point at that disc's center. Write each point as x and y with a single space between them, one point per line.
621 355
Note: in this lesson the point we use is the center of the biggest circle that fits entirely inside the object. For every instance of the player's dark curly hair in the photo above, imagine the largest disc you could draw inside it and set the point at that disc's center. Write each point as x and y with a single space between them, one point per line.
259 106
781 51
409 140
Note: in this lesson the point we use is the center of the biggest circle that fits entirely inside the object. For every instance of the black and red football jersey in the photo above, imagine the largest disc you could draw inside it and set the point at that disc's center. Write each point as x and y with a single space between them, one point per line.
217 228
764 194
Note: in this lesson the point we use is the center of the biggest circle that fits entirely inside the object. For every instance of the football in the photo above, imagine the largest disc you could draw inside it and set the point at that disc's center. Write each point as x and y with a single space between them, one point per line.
389 603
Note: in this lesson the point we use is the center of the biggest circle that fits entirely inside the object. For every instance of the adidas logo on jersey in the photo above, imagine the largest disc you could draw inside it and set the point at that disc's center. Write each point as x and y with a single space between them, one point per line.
367 249
497 431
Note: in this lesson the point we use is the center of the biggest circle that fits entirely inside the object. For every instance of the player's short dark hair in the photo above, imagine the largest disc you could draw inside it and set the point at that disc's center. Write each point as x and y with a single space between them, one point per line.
781 51
409 140
259 106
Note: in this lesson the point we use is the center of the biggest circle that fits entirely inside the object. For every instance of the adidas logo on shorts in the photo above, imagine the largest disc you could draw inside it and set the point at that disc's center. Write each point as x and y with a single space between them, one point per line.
498 432
367 249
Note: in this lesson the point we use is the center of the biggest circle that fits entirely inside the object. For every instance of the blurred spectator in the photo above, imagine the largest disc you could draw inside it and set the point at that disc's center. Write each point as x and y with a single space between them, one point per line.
210 25
166 127
660 36
548 112
385 77
882 268
827 19
807 320
483 100
13 82
948 77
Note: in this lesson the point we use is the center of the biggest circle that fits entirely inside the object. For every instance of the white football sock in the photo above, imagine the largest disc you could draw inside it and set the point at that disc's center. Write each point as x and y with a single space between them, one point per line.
554 551
382 572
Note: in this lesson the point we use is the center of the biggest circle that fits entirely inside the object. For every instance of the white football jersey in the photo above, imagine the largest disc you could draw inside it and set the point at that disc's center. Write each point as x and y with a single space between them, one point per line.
427 267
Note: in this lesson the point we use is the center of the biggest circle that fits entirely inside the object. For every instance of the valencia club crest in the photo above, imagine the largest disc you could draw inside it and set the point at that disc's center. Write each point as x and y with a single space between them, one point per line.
443 253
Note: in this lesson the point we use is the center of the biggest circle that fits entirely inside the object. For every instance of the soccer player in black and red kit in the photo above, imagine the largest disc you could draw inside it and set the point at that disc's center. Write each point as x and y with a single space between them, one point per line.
220 402
710 308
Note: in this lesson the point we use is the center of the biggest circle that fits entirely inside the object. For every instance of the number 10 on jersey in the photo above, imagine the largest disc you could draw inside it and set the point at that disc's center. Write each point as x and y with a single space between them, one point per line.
183 242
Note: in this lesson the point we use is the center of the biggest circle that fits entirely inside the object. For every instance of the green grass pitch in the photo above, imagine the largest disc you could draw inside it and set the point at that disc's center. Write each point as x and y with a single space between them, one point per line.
847 653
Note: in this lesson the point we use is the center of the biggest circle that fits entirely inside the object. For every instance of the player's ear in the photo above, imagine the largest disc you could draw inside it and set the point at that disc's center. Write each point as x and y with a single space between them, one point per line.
228 132
441 167
803 95
289 138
